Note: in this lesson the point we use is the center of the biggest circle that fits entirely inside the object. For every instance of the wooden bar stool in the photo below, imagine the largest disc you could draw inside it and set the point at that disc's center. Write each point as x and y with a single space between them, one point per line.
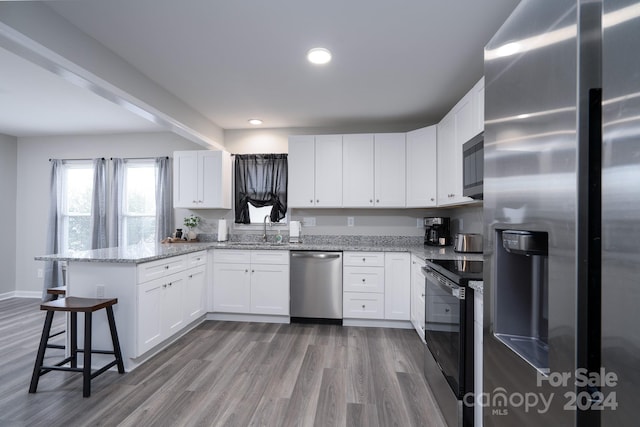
57 292
75 305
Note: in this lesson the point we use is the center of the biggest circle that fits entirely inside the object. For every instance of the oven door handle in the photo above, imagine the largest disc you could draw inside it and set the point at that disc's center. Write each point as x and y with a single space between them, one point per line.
446 285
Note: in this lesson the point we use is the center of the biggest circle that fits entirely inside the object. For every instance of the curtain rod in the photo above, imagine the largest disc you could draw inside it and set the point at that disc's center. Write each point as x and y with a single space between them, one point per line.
139 158
77 159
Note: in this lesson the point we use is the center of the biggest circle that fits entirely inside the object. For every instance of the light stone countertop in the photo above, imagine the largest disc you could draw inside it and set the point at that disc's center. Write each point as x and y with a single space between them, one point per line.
141 253
477 285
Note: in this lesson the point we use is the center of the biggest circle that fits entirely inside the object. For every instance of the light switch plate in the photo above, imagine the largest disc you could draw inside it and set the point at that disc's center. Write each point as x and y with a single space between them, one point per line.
419 222
309 221
350 221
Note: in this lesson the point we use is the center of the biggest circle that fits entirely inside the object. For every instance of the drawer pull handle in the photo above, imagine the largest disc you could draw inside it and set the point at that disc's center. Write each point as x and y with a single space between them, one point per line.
363 306
363 280
166 267
364 260
447 310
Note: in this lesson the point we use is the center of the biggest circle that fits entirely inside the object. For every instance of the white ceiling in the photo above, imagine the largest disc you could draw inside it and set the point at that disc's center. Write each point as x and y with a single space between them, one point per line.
36 102
400 64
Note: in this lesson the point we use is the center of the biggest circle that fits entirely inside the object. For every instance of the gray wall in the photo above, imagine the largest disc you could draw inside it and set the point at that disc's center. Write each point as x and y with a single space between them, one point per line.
31 182
33 174
8 177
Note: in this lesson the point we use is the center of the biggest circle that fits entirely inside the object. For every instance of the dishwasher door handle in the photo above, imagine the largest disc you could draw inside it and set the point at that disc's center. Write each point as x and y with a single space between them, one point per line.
315 255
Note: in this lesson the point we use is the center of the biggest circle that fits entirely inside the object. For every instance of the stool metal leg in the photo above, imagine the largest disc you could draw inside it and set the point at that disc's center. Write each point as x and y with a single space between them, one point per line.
86 368
114 338
46 330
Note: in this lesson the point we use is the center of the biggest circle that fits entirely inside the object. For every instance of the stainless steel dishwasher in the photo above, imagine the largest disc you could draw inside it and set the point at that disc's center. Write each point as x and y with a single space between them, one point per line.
316 286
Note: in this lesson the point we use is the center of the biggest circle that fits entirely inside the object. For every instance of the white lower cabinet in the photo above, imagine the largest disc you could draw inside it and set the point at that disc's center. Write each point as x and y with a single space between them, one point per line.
376 285
363 305
160 310
150 297
270 289
417 296
397 289
231 288
251 282
194 294
166 304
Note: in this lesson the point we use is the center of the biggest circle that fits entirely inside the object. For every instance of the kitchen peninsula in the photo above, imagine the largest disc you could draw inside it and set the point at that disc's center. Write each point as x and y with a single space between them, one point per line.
162 289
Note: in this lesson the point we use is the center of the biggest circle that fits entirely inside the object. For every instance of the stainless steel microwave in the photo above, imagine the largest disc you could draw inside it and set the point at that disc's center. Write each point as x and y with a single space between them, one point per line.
473 166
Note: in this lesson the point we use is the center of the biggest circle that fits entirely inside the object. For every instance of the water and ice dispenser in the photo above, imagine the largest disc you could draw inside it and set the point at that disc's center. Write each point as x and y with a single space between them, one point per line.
522 295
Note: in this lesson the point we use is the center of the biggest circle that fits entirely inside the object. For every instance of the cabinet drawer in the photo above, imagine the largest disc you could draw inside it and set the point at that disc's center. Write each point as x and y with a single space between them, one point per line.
371 259
362 305
197 258
231 256
155 269
270 257
363 279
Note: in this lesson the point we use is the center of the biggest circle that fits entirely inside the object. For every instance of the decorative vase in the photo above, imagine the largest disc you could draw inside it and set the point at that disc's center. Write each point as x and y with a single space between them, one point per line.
191 235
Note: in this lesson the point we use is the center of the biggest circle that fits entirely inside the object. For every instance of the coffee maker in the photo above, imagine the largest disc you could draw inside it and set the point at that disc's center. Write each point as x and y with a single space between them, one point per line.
437 231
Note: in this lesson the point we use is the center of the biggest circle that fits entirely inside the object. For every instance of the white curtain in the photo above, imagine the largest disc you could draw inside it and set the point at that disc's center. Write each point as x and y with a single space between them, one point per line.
99 205
115 209
164 201
53 269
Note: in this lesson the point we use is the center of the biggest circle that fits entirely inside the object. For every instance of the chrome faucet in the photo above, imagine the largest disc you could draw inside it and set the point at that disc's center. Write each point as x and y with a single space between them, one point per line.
264 235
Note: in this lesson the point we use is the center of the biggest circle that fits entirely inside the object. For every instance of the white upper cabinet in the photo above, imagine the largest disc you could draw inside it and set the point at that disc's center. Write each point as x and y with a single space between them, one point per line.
301 164
389 180
449 171
357 171
374 170
461 124
328 173
422 169
465 119
478 96
202 179
315 171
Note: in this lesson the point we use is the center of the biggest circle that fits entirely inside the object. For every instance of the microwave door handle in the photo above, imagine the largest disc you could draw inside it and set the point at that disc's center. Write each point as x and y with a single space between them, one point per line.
447 286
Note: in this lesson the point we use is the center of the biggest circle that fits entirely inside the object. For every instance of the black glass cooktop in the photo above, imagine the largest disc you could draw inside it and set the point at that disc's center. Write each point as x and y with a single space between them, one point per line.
460 271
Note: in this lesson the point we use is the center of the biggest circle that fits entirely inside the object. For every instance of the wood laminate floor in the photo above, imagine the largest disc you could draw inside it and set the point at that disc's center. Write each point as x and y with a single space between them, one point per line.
226 374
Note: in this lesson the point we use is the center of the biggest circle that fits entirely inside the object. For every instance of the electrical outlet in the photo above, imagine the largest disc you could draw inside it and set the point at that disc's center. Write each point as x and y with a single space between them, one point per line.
419 222
350 221
99 291
309 221
40 273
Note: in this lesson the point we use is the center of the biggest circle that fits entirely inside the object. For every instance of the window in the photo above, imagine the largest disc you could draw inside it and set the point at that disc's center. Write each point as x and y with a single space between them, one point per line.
139 207
77 191
257 214
260 188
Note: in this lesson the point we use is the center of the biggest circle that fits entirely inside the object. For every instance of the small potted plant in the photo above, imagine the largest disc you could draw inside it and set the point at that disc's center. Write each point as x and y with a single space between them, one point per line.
191 222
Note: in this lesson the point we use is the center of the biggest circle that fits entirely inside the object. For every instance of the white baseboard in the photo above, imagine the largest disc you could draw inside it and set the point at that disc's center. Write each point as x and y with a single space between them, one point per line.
247 318
377 323
21 294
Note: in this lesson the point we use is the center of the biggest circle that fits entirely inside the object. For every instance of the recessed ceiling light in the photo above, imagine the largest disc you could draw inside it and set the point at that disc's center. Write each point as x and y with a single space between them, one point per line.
255 122
319 55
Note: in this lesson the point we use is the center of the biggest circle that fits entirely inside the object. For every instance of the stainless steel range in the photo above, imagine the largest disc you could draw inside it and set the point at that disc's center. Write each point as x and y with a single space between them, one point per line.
449 335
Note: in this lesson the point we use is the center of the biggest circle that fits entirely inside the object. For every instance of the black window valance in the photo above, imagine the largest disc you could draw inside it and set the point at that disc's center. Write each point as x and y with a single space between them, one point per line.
260 179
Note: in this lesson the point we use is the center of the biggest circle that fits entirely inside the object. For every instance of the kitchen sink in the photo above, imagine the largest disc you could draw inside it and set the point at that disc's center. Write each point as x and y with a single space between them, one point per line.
255 244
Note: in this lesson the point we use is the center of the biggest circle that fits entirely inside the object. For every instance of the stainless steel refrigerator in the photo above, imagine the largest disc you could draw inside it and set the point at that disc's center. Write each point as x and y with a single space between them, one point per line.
562 216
